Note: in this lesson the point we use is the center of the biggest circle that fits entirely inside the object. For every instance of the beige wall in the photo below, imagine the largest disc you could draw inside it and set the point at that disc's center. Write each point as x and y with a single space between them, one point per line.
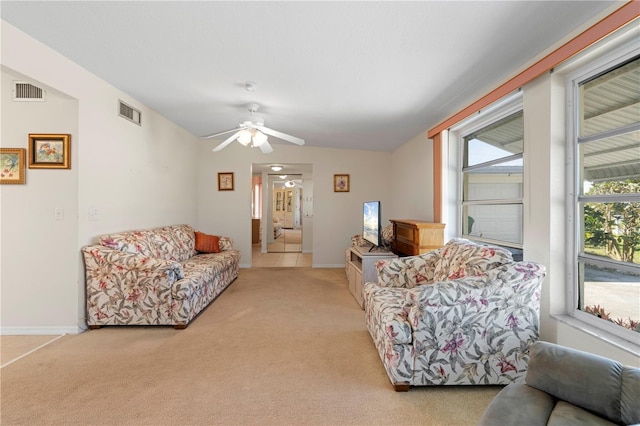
412 180
336 215
39 255
135 176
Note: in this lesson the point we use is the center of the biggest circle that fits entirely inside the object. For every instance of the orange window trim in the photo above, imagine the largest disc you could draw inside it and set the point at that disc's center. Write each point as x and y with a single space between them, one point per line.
437 178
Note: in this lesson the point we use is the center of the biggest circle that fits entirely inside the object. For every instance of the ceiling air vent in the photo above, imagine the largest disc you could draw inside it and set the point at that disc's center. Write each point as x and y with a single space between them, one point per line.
27 92
130 113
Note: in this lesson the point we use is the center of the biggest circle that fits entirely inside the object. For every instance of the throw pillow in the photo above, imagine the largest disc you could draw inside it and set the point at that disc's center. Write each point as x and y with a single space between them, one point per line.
207 243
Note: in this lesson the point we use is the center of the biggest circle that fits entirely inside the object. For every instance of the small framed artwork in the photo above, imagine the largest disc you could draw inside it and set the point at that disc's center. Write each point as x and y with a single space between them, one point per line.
12 162
49 151
340 183
225 181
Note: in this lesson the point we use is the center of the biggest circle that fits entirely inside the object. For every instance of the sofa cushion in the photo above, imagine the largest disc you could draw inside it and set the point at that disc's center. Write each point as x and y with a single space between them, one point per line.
174 242
461 258
207 243
136 242
564 414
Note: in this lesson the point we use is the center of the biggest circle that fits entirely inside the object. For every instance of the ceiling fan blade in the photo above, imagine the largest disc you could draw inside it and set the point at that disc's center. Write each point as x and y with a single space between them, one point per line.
266 148
280 135
227 141
221 133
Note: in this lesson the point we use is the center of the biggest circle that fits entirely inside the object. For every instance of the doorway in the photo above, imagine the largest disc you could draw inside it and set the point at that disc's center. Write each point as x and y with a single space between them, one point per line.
287 214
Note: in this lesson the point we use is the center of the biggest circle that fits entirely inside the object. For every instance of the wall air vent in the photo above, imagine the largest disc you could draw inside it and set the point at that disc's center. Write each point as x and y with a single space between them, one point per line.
27 92
130 113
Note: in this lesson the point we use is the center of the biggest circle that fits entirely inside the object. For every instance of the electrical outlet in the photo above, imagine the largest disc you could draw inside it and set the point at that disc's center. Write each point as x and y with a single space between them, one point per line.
93 213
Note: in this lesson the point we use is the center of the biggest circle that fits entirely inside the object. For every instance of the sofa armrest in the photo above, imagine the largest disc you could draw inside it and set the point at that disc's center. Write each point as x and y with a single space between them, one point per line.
107 269
98 257
226 243
604 386
477 329
407 272
385 307
128 288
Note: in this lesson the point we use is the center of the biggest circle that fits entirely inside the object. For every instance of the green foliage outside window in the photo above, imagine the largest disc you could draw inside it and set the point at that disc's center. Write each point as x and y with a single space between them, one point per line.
614 227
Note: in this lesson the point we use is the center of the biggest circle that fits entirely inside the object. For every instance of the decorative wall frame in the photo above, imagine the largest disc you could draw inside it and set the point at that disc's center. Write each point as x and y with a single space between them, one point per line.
49 151
340 183
225 181
12 165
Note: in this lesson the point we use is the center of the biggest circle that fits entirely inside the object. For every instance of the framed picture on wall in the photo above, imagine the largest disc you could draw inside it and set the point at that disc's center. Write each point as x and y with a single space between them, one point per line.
340 183
225 181
12 161
49 151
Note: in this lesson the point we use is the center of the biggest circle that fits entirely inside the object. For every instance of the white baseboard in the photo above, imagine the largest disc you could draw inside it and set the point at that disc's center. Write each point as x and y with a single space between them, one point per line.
39 331
328 265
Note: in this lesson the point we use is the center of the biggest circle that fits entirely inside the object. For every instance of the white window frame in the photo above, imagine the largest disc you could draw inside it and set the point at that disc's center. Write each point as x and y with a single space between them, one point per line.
605 329
503 108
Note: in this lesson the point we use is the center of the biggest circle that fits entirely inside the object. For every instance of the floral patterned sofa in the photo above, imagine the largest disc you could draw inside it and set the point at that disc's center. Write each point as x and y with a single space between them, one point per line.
155 277
464 314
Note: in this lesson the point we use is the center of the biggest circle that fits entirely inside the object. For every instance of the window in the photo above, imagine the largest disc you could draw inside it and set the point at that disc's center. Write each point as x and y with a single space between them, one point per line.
604 160
491 178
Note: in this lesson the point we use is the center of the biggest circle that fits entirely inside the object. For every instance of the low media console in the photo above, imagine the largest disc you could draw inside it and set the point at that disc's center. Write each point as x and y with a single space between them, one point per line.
360 267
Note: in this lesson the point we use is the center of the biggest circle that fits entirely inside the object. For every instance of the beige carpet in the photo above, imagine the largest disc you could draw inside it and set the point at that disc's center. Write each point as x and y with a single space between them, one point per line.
281 346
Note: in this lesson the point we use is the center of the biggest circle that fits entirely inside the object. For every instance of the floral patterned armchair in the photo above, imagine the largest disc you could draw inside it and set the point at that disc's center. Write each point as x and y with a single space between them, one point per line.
464 314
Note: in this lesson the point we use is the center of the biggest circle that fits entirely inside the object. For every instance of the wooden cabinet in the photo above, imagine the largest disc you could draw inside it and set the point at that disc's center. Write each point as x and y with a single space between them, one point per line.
283 207
278 205
255 231
360 268
413 237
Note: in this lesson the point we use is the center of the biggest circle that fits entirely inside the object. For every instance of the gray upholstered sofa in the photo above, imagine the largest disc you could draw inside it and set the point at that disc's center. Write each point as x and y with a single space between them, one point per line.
568 387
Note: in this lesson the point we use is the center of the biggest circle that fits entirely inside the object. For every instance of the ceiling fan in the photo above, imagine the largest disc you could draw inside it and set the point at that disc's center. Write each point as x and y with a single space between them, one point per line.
253 133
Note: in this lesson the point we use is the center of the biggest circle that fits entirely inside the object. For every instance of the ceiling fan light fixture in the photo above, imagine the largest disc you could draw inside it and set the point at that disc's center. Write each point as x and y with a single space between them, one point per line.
259 138
245 137
276 168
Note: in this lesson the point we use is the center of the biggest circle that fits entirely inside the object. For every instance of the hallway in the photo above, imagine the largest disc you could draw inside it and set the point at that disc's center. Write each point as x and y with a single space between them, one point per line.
298 260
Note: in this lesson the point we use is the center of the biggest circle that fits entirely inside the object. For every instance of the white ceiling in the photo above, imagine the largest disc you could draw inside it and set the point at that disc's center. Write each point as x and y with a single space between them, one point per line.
362 75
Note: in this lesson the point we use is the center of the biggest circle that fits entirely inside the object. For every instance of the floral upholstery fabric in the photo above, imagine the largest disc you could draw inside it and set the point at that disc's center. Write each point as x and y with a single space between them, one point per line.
470 330
154 277
407 272
461 258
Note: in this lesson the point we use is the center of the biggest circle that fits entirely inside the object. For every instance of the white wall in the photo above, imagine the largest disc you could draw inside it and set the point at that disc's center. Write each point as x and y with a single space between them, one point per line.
337 216
39 255
135 176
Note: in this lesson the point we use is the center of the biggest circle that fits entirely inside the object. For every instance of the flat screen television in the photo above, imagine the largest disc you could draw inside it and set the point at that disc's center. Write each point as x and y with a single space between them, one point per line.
371 222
